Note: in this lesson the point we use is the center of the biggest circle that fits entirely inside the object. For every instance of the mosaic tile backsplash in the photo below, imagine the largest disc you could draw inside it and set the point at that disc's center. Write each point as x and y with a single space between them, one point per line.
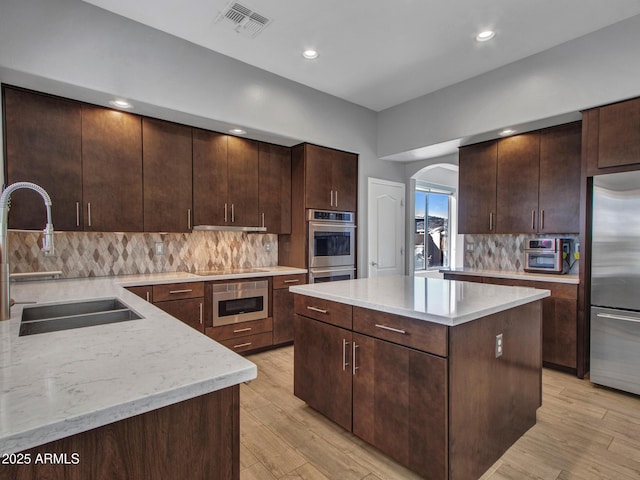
91 254
500 252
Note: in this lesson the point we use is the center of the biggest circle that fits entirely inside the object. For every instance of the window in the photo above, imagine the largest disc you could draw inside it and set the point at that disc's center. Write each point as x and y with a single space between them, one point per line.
431 231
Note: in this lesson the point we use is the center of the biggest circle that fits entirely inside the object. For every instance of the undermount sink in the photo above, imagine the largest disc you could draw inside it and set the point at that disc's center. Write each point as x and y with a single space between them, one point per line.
65 316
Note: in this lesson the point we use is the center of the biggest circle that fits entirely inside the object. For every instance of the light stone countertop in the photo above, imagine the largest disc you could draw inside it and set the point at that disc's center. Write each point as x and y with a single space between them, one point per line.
535 277
53 385
447 302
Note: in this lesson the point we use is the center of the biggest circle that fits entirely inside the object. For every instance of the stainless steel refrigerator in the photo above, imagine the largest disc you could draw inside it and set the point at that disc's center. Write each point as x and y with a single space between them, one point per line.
615 281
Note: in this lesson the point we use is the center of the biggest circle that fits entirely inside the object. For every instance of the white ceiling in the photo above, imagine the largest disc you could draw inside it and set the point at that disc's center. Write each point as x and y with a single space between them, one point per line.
378 53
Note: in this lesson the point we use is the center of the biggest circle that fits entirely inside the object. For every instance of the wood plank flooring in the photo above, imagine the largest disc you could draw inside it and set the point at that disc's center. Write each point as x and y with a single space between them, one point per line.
583 433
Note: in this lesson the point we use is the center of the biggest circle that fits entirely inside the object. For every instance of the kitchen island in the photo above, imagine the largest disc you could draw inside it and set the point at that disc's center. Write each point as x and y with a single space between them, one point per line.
443 376
144 398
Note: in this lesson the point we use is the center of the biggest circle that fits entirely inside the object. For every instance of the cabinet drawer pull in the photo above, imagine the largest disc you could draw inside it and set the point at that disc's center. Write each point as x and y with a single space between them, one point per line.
319 310
618 317
240 330
292 281
242 345
345 364
187 290
391 329
354 367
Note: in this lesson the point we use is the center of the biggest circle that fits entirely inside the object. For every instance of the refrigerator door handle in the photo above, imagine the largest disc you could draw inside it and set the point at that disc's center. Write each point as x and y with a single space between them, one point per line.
618 317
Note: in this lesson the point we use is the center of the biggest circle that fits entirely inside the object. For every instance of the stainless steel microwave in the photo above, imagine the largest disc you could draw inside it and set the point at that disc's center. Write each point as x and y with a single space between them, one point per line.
547 255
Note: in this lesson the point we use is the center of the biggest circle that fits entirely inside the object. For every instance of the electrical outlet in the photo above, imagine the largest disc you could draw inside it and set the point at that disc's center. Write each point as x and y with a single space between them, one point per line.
499 345
159 248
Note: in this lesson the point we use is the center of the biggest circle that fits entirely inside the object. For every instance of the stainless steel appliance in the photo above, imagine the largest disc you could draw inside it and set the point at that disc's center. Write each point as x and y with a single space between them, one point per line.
615 281
332 245
548 255
239 302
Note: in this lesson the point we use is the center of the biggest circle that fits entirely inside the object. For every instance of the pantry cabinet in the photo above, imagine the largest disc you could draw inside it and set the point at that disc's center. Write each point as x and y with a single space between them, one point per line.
528 183
167 180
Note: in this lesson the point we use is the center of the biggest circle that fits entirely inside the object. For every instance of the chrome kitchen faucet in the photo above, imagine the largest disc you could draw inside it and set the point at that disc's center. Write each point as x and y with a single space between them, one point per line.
47 245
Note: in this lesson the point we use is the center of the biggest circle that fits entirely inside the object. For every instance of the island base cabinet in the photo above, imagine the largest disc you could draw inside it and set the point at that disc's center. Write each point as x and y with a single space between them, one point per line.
392 385
322 373
198 438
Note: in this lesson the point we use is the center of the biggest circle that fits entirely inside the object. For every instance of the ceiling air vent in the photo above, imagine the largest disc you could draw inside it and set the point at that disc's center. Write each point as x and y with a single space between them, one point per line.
243 20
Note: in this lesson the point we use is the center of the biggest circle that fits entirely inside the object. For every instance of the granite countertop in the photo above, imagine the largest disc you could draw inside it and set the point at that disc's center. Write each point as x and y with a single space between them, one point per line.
447 302
57 384
535 277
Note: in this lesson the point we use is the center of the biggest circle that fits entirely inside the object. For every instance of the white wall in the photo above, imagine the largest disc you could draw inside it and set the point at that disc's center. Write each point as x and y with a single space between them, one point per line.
596 69
76 50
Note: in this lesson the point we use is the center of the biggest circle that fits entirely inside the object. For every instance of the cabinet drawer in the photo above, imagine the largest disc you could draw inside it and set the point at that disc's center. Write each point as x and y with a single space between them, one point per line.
250 342
285 281
419 334
242 329
339 314
177 291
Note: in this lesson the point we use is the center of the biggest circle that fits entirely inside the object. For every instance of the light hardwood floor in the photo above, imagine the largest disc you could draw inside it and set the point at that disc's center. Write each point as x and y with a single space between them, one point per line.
583 432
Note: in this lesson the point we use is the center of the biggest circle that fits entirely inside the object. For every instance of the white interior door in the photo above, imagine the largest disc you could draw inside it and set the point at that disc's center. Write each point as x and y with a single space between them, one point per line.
386 228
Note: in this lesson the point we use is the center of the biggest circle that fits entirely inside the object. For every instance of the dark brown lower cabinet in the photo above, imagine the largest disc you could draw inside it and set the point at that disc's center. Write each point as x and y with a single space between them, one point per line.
448 415
198 438
282 306
189 311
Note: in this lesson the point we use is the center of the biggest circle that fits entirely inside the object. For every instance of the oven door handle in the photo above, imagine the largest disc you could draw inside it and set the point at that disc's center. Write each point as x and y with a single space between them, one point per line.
350 269
346 226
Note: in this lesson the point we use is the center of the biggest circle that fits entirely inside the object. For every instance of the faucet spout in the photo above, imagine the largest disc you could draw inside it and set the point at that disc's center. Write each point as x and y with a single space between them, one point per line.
47 246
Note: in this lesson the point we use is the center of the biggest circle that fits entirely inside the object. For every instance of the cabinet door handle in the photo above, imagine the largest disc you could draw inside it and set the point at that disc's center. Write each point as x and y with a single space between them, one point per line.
240 330
188 219
353 358
345 364
77 214
336 198
89 213
319 310
391 329
225 213
242 345
148 296
491 221
233 214
295 280
332 198
541 219
533 219
201 313
262 214
186 290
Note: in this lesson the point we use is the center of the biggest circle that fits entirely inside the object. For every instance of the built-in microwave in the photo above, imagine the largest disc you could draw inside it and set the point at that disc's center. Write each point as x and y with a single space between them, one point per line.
239 302
547 255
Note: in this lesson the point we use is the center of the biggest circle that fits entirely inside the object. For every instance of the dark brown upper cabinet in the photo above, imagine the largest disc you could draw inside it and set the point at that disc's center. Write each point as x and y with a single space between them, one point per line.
612 137
518 176
111 170
43 145
528 183
331 178
225 185
167 178
274 188
477 176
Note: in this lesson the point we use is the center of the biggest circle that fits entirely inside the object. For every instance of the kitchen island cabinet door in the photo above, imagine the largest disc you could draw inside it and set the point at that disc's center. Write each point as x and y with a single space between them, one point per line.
111 170
322 374
400 404
275 188
43 145
477 188
210 179
168 181
517 184
243 182
559 190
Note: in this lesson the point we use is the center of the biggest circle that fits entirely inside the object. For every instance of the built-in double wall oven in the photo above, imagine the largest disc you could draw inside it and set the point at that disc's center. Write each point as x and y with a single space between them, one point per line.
332 245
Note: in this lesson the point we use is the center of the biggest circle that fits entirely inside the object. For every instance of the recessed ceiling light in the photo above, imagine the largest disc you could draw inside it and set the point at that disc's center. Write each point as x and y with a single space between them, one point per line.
119 103
507 131
485 35
310 54
238 131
